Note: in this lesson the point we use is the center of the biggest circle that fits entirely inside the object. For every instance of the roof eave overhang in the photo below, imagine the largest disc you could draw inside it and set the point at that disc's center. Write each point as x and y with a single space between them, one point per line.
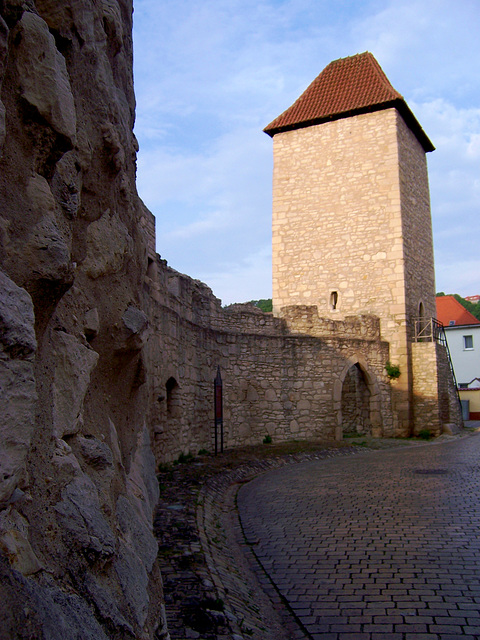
399 104
461 326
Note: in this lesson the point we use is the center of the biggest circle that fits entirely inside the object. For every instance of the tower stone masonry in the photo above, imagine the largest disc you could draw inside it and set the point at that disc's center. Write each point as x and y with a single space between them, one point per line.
351 226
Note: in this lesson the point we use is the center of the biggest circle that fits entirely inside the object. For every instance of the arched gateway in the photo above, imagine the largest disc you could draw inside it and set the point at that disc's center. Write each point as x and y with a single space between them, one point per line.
357 402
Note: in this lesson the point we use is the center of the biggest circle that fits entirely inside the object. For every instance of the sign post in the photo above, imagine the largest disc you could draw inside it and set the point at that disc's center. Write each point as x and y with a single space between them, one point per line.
218 409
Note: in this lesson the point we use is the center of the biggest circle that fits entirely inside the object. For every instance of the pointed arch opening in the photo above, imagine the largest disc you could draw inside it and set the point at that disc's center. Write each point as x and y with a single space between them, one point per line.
333 300
357 402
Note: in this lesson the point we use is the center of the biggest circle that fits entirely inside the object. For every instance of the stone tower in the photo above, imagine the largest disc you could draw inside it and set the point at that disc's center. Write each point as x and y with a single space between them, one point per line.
351 213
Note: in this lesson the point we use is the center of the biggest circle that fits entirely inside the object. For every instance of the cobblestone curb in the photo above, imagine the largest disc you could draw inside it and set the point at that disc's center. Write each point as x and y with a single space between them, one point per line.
252 605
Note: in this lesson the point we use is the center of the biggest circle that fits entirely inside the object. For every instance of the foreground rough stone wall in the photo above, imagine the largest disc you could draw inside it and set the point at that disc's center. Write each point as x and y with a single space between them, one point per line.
77 482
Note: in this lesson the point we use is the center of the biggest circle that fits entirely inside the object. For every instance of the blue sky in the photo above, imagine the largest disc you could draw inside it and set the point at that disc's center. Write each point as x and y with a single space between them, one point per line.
211 74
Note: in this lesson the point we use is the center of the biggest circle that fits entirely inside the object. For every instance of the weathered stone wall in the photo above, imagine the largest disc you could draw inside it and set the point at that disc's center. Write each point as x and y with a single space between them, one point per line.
448 399
275 382
336 218
435 404
337 228
425 401
77 482
417 224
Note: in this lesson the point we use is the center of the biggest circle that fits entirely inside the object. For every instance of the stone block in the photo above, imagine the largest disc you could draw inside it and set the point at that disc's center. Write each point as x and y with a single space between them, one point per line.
74 364
44 77
18 394
91 324
82 519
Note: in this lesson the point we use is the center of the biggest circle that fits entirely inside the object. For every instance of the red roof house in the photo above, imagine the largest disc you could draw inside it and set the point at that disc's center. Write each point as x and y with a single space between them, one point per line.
347 87
451 313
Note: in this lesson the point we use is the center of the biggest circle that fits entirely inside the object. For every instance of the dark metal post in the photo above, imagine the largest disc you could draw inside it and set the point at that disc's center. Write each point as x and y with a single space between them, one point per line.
218 405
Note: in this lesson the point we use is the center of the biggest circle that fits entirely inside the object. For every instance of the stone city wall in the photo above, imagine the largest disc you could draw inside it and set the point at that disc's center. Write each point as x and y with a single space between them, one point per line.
275 382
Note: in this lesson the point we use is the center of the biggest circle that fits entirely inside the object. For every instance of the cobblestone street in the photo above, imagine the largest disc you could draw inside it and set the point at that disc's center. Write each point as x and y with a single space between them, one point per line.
212 583
379 545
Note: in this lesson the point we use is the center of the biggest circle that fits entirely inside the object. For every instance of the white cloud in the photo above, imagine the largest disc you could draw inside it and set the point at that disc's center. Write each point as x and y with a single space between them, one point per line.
211 210
473 148
209 76
426 47
211 222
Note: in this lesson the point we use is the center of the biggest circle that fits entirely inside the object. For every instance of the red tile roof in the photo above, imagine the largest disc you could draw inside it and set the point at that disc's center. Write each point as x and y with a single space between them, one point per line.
450 310
346 87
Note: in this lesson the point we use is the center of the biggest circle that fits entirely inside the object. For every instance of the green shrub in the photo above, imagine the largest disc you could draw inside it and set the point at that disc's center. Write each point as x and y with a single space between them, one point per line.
267 439
264 305
425 434
393 370
183 457
164 467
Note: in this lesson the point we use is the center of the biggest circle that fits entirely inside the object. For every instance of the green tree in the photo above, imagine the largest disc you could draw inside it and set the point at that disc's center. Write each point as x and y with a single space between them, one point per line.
473 307
263 304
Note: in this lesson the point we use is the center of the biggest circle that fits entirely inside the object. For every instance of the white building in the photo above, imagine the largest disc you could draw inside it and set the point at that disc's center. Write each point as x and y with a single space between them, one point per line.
464 344
463 337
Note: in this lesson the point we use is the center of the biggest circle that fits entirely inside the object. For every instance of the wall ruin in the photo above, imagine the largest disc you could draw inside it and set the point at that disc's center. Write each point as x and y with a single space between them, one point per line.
277 382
